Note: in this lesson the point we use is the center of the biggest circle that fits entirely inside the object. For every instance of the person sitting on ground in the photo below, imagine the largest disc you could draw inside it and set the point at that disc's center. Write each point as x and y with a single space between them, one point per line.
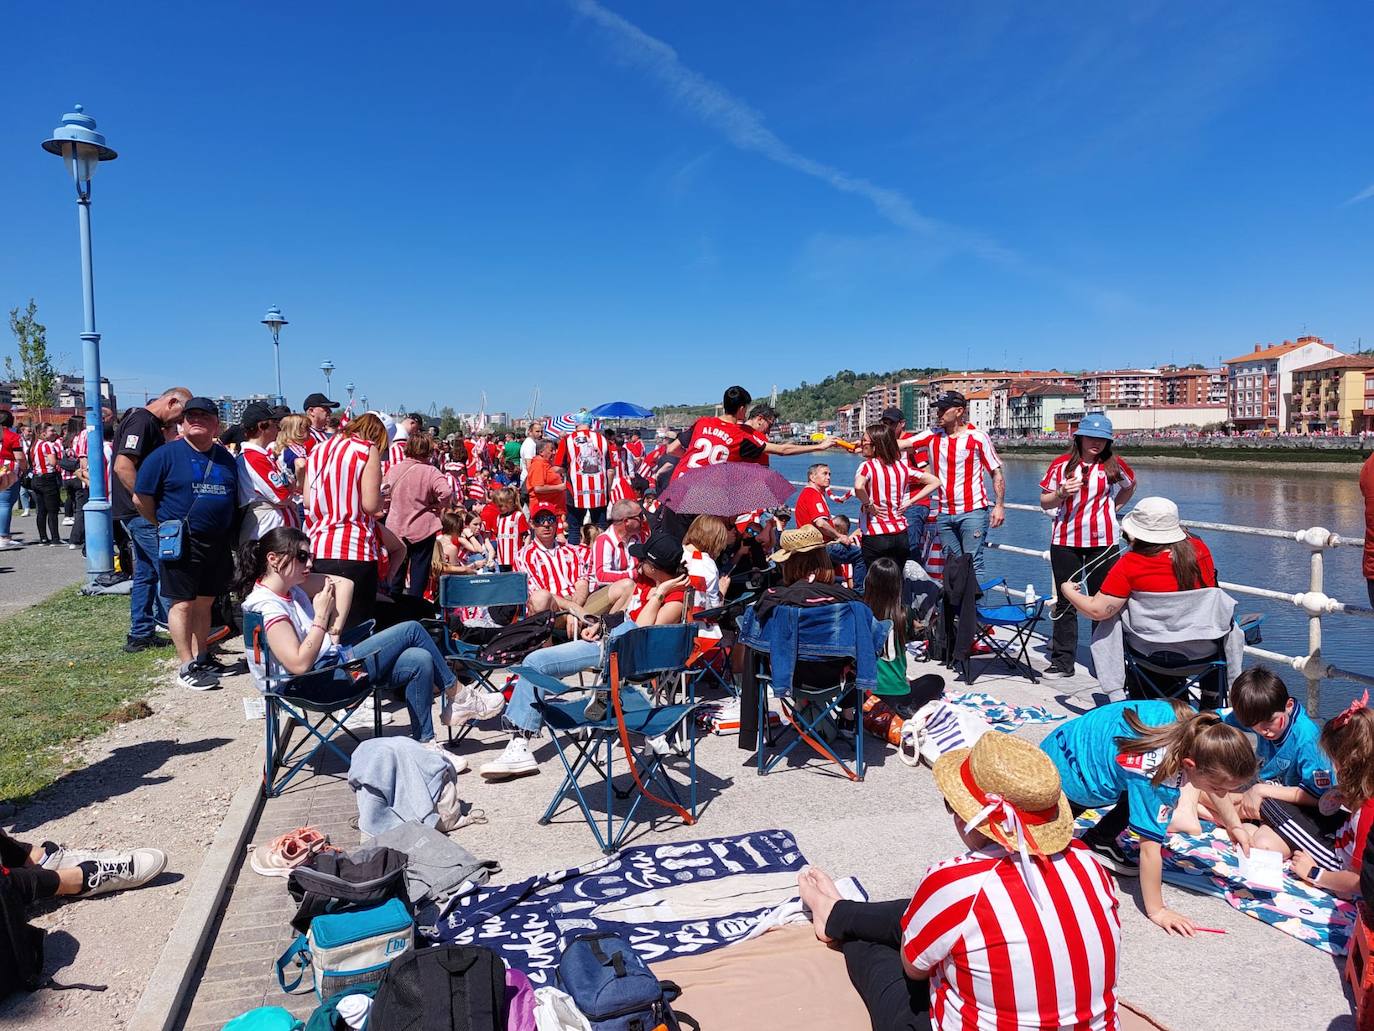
1133 757
883 595
984 941
556 583
1325 860
49 870
303 614
657 600
451 555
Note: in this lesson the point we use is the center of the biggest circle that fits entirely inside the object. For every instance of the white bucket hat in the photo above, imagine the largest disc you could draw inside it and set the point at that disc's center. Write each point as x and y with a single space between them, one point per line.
1154 521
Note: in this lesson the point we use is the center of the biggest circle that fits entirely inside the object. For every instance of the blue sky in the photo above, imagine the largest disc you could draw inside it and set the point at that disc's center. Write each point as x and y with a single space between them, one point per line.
650 201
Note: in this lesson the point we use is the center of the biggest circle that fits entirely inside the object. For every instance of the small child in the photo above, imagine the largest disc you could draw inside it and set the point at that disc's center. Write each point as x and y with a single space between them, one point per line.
1326 861
844 571
512 528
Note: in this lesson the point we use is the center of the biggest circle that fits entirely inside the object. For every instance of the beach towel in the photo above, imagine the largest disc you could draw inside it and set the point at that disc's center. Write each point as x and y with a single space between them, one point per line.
666 900
1206 864
1002 715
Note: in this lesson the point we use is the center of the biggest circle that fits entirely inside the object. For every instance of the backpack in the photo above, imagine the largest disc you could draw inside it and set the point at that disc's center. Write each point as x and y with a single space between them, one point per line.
454 987
511 644
613 987
21 944
331 883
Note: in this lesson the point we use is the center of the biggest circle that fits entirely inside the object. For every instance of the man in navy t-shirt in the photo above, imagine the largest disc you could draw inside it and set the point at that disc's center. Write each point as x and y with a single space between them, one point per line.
193 480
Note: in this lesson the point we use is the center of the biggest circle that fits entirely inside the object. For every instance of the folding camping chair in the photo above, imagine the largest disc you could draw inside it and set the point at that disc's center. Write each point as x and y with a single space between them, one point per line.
485 590
636 657
796 635
1020 619
715 667
1201 681
320 701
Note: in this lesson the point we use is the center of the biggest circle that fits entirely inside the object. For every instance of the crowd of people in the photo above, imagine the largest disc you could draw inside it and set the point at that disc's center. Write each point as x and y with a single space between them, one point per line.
320 521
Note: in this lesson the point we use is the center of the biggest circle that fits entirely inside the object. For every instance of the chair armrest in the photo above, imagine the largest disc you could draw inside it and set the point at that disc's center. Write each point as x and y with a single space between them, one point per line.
990 584
542 681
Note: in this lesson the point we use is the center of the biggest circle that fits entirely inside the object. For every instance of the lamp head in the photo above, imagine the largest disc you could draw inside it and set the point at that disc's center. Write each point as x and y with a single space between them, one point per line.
78 143
273 320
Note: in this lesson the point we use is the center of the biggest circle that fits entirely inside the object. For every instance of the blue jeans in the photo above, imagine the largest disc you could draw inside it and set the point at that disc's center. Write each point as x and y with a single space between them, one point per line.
146 607
8 497
965 534
562 660
25 498
404 657
916 517
854 555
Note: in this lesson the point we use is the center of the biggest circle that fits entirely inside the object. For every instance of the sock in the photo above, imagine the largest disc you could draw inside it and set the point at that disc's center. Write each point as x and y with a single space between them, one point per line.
88 870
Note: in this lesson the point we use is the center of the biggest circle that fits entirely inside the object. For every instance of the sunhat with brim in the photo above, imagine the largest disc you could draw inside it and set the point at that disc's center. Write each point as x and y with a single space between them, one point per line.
1094 424
796 542
1016 777
1154 521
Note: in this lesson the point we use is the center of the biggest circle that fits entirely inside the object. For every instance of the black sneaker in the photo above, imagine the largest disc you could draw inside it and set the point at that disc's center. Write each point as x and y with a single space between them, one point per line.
1110 855
195 677
134 645
1057 672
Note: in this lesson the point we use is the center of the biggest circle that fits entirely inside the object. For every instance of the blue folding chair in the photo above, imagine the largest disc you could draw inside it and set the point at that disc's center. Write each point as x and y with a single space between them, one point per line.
637 657
716 667
813 640
484 590
1201 681
1014 652
320 701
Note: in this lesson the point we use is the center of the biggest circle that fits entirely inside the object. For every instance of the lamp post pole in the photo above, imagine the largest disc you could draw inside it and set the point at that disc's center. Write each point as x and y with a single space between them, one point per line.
82 148
327 367
274 322
350 388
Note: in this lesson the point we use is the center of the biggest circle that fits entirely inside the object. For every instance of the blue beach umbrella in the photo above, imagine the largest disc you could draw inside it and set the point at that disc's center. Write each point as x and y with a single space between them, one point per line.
621 410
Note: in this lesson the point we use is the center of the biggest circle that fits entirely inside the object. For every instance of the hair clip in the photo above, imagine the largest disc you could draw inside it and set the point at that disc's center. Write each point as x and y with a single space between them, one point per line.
1362 702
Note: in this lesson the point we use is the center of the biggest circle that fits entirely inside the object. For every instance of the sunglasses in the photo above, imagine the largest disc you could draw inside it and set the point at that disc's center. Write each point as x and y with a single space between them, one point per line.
304 556
545 522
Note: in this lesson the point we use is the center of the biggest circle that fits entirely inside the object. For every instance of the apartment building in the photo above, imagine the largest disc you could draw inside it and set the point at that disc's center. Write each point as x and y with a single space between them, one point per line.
1120 388
877 399
1191 386
1259 384
1334 396
1037 407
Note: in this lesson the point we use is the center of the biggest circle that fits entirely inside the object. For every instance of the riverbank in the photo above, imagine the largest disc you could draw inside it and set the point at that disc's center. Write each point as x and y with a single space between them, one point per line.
1250 456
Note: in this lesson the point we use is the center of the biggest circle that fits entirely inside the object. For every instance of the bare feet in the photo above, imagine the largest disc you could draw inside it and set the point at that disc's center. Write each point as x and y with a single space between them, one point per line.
818 894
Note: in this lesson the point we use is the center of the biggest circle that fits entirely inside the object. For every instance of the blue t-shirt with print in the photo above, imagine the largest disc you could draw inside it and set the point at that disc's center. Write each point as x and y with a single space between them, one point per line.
184 483
1095 772
1295 760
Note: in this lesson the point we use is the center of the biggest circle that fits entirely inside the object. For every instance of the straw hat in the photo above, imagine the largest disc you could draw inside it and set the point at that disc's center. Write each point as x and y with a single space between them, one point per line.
795 542
1154 521
1000 766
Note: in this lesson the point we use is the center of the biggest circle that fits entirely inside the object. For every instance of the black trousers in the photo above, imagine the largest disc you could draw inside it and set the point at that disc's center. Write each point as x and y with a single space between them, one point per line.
577 515
364 577
80 495
870 936
418 562
47 489
1110 826
896 546
31 882
1068 564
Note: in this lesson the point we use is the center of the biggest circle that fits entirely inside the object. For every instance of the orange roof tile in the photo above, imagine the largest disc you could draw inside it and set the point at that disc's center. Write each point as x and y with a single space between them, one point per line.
1276 350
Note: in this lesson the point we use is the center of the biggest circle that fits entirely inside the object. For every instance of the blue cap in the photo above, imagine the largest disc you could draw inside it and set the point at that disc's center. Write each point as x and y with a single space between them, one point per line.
1094 424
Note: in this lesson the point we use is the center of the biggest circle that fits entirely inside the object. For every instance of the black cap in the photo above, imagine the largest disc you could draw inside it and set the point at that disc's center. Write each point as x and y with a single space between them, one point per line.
280 411
255 412
201 404
662 549
950 399
318 400
893 415
231 435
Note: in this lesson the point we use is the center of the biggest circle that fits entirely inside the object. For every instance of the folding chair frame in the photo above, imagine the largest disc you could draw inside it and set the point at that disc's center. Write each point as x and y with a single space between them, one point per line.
470 591
1002 651
1193 672
806 730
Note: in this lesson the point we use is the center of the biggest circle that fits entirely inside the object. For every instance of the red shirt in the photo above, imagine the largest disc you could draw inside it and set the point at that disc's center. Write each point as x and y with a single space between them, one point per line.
555 569
1154 574
959 463
715 441
46 454
11 445
586 454
334 516
811 505
542 474
640 597
490 514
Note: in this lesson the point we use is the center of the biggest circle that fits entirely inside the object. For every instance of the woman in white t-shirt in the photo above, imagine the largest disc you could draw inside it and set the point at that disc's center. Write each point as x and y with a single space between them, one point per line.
303 613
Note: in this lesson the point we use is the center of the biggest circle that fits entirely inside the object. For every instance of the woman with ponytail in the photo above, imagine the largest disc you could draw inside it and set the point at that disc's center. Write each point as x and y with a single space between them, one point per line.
303 613
1131 759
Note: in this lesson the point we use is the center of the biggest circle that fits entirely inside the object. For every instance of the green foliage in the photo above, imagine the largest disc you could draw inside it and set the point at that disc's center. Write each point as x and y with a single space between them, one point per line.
812 401
36 379
448 421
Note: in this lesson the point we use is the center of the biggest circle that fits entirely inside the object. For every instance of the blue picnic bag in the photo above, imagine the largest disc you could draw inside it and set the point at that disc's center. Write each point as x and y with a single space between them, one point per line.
613 987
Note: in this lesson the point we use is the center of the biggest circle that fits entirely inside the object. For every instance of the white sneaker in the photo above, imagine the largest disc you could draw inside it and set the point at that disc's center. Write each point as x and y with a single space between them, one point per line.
69 521
515 761
121 870
471 703
9 543
458 762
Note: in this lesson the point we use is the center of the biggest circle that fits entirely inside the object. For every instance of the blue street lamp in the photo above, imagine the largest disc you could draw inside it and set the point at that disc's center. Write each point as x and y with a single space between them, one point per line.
327 367
350 388
274 322
82 148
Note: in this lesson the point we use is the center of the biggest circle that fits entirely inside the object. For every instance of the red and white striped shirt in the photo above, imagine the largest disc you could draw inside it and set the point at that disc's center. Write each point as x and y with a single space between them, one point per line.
45 456
611 559
394 454
959 463
334 516
888 488
316 437
998 960
555 569
1087 518
262 481
81 447
587 457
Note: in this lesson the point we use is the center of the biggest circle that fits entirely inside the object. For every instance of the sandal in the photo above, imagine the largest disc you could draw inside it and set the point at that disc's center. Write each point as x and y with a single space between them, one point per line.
282 855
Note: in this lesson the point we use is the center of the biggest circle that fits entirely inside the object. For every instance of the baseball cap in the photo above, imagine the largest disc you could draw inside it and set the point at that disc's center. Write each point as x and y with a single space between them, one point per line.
280 411
950 399
318 400
200 404
255 413
893 415
661 549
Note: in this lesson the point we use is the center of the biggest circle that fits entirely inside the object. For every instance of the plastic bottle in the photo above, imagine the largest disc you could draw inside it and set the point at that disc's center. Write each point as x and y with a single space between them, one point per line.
1031 599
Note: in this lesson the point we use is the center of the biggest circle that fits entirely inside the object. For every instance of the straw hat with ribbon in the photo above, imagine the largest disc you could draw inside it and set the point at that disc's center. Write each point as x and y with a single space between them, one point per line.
1008 790
795 542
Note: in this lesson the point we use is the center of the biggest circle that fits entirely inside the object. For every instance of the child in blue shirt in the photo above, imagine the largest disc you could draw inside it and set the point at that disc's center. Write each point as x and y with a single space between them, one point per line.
1133 758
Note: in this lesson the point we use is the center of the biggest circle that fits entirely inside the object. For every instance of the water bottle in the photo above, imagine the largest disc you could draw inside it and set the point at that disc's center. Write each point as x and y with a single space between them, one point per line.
1030 594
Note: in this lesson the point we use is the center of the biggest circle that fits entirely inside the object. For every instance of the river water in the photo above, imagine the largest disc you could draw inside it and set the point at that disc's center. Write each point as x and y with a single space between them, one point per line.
1289 500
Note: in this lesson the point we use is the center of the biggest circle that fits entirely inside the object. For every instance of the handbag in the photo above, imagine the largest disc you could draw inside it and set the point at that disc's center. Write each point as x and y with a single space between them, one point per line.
939 727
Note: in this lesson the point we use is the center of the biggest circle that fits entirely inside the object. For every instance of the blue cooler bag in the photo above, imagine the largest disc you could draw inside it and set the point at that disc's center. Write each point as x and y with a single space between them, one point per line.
613 987
346 949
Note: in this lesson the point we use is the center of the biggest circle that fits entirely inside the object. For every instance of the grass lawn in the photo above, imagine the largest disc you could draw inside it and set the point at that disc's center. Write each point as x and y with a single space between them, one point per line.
64 676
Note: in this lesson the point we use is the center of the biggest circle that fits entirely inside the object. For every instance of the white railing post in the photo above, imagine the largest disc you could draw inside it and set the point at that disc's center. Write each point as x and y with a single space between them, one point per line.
1316 604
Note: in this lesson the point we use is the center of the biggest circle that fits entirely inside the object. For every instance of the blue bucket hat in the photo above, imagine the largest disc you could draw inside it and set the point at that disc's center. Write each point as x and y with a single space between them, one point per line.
1094 424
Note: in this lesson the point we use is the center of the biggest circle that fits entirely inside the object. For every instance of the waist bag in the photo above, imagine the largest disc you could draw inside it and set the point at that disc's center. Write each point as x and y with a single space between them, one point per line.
171 536
346 949
513 643
445 988
613 987
331 883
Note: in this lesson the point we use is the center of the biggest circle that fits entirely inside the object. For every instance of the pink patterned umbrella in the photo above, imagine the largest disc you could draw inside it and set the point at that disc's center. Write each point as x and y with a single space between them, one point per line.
727 489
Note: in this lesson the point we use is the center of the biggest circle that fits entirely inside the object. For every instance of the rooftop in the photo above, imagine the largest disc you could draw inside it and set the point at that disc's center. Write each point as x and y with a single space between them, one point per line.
1051 390
1260 354
1344 361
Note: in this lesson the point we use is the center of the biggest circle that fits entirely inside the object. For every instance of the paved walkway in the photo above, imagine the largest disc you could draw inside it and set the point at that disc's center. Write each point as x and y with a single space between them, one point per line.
886 831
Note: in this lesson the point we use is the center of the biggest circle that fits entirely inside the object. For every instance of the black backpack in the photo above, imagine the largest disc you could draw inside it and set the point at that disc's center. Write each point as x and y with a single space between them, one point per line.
21 944
329 882
511 644
453 987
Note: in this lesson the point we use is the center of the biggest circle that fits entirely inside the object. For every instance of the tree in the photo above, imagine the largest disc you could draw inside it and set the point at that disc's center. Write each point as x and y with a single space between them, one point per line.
35 379
448 421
